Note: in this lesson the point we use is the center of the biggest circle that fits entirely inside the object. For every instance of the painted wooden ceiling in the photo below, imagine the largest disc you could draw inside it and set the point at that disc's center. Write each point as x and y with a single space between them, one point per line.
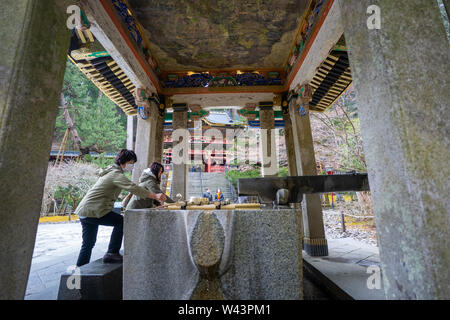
202 35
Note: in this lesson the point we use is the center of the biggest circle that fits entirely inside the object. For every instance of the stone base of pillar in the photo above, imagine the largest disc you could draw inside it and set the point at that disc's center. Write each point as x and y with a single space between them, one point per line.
315 247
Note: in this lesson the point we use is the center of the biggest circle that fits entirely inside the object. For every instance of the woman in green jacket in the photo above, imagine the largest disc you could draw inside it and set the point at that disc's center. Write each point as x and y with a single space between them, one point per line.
150 180
96 207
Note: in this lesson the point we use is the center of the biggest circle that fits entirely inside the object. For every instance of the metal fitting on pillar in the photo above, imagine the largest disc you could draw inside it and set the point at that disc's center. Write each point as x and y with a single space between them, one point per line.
197 113
304 97
180 107
249 111
142 101
266 105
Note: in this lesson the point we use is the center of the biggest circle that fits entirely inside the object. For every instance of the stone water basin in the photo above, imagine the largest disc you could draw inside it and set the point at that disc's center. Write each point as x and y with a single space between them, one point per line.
212 254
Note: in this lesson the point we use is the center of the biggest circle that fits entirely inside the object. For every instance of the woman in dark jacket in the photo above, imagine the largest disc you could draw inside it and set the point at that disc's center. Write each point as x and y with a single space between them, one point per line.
150 179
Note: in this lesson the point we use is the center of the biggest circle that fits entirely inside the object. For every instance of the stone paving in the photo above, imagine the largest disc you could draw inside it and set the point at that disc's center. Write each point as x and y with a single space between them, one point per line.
350 265
57 247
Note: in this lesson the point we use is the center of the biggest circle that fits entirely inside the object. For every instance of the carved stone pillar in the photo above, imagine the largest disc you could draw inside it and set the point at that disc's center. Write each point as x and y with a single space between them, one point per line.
33 57
403 96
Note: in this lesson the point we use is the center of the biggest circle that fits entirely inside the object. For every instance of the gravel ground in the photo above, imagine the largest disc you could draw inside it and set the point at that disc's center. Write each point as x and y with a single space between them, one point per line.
333 229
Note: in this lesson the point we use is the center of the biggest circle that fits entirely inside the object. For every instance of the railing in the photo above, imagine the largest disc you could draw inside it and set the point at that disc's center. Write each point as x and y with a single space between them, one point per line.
77 153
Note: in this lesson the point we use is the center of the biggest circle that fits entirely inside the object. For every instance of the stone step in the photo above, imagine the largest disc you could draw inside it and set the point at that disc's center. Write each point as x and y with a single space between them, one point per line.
101 281
198 182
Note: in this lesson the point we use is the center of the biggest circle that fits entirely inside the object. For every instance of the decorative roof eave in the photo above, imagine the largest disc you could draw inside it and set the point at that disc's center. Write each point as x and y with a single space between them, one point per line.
257 124
102 70
120 97
331 80
222 125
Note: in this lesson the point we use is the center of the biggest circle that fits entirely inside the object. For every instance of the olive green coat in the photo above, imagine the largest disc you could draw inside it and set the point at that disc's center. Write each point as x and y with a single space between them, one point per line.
101 197
149 182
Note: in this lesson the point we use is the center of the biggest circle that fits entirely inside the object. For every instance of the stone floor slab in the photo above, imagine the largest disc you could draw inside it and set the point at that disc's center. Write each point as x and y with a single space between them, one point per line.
348 273
57 248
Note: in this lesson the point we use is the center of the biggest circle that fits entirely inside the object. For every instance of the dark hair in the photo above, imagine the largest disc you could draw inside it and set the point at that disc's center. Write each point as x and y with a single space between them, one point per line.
155 167
124 156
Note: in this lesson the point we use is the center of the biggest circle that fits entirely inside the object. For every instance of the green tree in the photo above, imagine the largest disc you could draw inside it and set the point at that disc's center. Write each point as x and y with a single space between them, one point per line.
234 175
99 122
100 128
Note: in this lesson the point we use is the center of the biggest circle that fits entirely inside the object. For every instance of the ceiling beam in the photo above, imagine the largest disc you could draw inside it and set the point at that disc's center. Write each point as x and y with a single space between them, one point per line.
327 36
107 33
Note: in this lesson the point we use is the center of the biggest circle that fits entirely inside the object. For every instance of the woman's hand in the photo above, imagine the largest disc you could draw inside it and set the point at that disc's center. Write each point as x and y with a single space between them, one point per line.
126 200
161 197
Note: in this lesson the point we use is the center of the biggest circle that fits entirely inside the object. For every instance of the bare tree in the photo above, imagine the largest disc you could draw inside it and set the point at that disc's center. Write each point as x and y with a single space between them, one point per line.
73 131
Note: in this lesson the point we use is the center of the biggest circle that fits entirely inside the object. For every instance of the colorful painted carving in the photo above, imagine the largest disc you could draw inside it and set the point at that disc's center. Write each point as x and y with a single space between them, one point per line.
302 109
143 113
277 100
84 53
256 79
190 81
222 80
143 103
304 96
196 112
288 68
129 21
273 75
249 111
304 92
142 98
285 108
135 31
305 32
150 59
172 77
